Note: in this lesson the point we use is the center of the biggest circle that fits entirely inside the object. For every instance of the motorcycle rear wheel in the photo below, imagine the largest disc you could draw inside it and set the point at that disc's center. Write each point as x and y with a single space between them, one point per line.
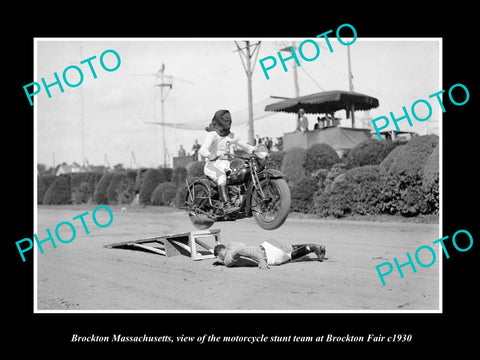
200 202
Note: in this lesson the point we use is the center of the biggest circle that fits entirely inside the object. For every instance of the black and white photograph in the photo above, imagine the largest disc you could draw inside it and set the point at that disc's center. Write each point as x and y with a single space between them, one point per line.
242 182
189 146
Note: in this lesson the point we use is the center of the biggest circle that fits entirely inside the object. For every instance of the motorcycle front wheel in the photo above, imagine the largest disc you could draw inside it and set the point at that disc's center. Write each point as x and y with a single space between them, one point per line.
270 213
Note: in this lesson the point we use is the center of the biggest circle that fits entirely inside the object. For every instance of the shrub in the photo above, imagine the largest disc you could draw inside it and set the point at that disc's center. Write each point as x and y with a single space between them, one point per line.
404 193
320 156
293 164
82 194
77 179
152 178
167 172
163 194
358 191
430 181
302 193
126 188
139 179
179 175
43 183
369 152
275 159
100 193
120 189
388 160
412 159
59 191
334 175
195 169
180 196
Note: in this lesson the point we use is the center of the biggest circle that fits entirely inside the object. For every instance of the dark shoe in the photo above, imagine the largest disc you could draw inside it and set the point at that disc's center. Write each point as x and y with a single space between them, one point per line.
319 250
228 207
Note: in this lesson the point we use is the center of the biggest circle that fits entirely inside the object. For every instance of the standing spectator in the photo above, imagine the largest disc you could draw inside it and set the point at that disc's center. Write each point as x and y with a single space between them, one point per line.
279 144
181 151
269 143
302 121
195 148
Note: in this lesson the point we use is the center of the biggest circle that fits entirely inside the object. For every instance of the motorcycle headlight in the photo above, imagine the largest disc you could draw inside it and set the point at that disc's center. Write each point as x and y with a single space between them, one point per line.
261 151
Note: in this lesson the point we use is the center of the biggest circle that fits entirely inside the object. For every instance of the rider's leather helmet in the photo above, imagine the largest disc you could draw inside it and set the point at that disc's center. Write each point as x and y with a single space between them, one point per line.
221 123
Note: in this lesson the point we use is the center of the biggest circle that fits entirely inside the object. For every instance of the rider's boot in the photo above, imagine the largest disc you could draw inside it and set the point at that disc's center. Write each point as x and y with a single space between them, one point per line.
228 207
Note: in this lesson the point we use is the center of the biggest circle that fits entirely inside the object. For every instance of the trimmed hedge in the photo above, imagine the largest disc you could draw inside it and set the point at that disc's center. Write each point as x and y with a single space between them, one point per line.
430 181
43 183
163 194
387 162
302 193
59 192
167 172
121 186
335 174
77 179
358 191
275 159
413 157
403 192
293 164
195 169
100 193
82 193
80 196
179 175
152 178
180 196
320 156
369 152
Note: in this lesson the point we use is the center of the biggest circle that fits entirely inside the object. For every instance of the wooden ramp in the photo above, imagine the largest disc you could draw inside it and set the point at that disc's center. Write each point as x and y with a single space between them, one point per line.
198 245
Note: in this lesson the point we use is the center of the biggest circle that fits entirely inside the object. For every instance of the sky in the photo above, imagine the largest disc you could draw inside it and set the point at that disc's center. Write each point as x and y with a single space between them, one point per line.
111 115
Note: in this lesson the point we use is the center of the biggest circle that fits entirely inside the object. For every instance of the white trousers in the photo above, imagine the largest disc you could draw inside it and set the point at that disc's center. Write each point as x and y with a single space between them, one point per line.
275 256
215 170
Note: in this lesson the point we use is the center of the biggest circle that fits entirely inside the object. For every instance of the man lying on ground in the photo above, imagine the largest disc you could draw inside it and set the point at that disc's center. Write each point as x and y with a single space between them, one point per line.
264 255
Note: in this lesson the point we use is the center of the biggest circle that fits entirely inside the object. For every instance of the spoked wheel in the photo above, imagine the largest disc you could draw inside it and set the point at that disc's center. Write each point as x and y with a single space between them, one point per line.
197 199
270 213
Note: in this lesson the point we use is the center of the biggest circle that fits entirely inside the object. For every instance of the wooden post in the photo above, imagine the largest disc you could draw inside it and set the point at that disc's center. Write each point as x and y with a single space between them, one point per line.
248 67
350 84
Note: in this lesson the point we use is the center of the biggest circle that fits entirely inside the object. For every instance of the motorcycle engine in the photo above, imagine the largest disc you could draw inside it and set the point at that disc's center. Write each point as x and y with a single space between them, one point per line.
237 193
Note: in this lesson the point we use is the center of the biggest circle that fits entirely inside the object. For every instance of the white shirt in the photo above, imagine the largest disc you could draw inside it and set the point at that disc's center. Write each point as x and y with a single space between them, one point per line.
220 145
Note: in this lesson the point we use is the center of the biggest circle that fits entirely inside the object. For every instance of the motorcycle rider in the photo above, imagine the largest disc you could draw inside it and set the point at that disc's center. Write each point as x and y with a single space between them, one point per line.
220 141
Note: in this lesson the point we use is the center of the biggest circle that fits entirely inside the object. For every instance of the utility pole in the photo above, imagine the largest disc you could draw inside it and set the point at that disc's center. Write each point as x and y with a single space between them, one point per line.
163 96
245 57
107 163
162 85
295 69
350 85
133 160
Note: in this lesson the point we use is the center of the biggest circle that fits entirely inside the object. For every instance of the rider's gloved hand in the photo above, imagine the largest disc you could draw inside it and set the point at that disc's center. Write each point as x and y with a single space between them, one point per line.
212 157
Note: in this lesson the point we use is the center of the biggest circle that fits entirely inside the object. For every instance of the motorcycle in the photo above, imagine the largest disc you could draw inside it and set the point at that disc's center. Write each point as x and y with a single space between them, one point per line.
252 186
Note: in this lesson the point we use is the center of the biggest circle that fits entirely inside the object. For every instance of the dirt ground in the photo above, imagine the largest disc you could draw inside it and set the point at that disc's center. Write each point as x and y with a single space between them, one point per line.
84 275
